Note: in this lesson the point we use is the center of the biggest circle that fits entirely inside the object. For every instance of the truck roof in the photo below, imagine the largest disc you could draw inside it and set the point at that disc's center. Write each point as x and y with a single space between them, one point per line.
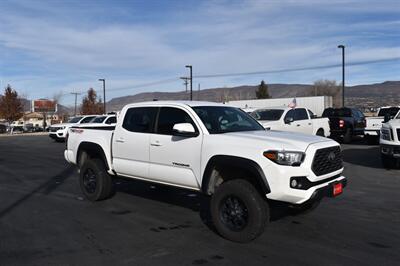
176 103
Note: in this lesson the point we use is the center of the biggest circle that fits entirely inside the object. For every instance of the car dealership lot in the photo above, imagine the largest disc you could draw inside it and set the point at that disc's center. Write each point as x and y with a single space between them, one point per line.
45 220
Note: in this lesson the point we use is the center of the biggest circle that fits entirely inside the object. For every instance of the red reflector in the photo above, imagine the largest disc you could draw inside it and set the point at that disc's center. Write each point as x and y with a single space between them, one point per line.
341 123
337 189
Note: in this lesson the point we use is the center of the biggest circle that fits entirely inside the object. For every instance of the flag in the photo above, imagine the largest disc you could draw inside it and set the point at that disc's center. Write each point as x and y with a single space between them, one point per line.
293 104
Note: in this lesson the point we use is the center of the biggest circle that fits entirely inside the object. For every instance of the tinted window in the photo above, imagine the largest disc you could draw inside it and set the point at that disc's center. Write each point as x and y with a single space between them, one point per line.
170 116
87 119
300 114
312 115
140 119
99 119
339 112
392 111
289 114
219 120
111 120
271 114
75 119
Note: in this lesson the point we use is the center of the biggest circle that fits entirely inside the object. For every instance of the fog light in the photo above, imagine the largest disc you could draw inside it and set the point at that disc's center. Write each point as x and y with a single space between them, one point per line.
293 184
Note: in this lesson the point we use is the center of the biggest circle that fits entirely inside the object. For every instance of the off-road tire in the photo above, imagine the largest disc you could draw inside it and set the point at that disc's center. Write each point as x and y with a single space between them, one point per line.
254 205
103 186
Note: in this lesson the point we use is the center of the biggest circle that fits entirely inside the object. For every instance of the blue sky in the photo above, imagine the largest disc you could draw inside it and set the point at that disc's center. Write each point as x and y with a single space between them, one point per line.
53 46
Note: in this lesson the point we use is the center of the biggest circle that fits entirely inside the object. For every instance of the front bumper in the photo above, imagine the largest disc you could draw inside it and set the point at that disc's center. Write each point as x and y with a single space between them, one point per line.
372 132
59 134
390 150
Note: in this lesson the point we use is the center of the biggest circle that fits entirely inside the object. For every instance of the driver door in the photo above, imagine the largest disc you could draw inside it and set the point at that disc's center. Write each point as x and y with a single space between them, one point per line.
175 159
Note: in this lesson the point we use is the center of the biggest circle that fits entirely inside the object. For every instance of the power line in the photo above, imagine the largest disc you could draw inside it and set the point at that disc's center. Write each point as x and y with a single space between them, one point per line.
295 69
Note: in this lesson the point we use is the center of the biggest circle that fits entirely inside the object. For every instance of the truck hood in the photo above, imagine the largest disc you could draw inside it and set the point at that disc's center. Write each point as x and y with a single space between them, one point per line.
394 123
281 140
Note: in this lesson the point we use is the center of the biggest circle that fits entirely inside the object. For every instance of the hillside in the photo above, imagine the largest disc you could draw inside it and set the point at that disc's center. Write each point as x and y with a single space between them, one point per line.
371 93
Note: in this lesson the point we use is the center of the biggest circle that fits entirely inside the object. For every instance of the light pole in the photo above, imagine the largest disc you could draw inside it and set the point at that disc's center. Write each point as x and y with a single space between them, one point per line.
191 81
343 85
76 98
104 94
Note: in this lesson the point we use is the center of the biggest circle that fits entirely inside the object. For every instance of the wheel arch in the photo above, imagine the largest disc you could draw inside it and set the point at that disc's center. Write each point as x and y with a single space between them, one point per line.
233 163
90 150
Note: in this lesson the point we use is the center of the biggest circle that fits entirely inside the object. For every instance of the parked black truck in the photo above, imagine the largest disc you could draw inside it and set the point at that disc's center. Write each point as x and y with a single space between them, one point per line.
345 122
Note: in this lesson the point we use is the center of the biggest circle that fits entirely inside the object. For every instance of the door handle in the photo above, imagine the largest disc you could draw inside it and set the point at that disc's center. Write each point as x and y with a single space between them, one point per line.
309 124
155 143
120 140
297 125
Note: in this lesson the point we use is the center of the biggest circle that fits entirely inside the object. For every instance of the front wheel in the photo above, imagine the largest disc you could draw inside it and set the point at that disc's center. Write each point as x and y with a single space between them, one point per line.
238 211
95 182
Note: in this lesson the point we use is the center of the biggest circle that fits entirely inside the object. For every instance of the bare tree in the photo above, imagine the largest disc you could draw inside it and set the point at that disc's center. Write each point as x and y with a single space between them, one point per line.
326 87
90 103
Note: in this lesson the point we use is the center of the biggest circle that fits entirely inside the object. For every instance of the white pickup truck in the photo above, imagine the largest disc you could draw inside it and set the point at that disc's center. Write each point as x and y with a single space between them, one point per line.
299 120
390 142
218 150
374 123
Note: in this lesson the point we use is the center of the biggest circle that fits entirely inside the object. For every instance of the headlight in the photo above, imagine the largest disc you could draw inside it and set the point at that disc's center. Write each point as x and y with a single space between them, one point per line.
292 158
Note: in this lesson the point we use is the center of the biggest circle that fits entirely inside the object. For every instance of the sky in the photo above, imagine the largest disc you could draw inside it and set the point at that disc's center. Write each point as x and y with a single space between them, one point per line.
54 47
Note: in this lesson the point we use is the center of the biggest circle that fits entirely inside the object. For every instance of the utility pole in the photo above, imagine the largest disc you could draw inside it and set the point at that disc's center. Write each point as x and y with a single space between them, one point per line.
76 98
343 86
104 95
191 81
185 82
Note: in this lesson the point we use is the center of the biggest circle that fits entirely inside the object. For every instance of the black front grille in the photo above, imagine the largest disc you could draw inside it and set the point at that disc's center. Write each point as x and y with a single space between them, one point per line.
327 160
398 134
54 129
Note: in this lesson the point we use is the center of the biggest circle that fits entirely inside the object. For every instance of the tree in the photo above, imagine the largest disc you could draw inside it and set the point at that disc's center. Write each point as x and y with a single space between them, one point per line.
11 107
326 87
262 91
91 105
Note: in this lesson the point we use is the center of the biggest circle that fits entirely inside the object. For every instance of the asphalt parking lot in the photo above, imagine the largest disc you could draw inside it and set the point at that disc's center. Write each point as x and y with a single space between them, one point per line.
45 221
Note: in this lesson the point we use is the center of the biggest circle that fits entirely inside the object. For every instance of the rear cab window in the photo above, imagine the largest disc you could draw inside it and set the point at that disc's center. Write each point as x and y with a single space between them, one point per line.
140 119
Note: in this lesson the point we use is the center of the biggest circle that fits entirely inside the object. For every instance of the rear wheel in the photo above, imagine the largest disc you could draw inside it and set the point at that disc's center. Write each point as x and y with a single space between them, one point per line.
238 211
95 182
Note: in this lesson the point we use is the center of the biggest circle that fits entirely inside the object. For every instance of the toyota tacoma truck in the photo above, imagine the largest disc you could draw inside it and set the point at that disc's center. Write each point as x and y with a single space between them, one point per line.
390 142
299 120
212 148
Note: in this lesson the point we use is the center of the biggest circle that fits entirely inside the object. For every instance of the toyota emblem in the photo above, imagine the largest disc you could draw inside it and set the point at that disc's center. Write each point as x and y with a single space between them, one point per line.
331 156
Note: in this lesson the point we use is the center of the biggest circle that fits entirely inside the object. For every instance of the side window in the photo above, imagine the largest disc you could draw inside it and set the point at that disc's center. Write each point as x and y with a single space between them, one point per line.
140 119
111 120
360 114
311 114
87 119
170 116
289 114
355 113
300 114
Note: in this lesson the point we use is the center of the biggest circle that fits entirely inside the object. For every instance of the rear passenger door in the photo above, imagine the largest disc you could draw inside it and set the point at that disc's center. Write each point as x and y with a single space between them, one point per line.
175 159
302 121
130 144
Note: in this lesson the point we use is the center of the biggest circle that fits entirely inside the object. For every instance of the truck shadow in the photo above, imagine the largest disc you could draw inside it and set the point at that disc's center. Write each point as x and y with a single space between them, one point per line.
369 157
188 199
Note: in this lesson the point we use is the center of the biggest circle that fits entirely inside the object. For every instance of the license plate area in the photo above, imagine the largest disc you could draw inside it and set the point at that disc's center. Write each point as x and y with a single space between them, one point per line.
337 189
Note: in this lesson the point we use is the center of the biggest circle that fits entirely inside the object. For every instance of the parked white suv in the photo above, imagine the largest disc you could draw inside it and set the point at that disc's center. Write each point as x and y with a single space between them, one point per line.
390 142
213 148
58 132
299 120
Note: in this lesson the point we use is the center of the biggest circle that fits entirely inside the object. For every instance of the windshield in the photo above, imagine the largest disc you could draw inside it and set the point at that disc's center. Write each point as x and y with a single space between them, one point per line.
392 111
75 119
99 119
339 112
267 114
226 119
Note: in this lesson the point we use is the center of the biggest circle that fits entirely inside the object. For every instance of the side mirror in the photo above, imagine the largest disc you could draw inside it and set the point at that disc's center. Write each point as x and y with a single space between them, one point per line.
289 120
386 118
184 130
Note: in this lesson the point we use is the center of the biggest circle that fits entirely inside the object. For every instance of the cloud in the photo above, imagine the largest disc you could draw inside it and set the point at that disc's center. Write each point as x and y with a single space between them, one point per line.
64 52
